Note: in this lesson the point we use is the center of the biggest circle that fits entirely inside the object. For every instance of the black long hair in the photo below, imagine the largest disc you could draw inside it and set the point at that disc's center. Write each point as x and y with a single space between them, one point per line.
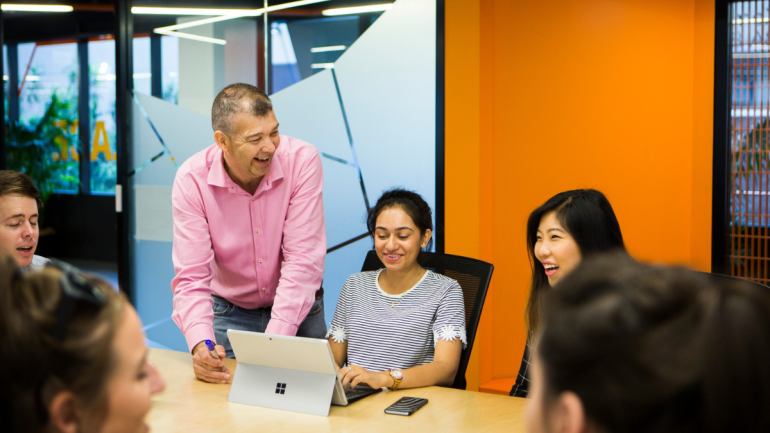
587 216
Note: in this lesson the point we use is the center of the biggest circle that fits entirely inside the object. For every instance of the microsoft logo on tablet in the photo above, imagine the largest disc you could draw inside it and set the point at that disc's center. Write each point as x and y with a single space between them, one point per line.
280 388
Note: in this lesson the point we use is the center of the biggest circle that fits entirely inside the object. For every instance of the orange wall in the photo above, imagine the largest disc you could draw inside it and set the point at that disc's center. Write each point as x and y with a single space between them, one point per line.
547 96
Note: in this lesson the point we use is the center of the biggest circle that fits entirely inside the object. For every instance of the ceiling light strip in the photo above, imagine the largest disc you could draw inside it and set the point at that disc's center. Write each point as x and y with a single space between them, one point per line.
138 10
327 49
248 13
171 30
35 8
357 9
191 37
196 23
292 5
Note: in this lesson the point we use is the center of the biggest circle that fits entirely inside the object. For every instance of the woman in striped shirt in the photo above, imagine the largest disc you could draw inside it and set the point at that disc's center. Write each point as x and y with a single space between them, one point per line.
402 326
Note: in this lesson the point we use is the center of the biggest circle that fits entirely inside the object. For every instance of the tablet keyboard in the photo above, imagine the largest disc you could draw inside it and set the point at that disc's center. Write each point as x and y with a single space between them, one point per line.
360 391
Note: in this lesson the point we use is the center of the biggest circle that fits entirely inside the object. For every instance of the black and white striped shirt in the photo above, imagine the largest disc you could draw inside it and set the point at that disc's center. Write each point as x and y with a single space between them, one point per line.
397 331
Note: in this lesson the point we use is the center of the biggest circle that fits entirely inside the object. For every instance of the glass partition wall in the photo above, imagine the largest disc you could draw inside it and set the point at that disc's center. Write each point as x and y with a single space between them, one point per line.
359 84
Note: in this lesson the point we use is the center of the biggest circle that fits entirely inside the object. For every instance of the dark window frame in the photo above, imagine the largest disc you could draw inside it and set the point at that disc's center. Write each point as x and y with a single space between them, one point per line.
720 230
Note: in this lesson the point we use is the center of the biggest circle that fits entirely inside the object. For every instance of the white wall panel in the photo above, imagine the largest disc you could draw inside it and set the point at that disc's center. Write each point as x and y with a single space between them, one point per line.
344 207
184 131
310 110
200 74
387 80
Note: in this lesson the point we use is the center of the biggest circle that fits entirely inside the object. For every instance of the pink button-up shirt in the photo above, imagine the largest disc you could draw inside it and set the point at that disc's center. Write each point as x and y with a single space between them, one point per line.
255 251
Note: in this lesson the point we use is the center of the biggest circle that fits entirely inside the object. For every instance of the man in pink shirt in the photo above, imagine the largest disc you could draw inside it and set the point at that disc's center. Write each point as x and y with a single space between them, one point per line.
249 234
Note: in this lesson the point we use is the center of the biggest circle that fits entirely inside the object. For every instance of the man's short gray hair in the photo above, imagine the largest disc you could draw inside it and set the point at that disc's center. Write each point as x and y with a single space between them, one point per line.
238 98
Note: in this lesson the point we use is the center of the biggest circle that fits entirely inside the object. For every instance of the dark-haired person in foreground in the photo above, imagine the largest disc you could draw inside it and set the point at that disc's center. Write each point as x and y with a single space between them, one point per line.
625 347
74 352
249 234
402 326
19 216
567 228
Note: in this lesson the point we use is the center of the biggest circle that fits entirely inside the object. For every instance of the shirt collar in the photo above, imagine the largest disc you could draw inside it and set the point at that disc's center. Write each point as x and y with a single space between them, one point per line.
218 175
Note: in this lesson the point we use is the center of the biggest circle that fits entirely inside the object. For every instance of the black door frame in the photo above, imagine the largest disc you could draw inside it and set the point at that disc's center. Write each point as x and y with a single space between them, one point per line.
124 86
720 229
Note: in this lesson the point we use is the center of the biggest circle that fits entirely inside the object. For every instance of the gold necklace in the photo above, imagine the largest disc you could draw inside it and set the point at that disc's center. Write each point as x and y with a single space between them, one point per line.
394 303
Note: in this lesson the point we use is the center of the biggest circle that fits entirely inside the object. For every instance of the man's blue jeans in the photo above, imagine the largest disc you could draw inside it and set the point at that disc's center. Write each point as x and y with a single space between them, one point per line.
230 316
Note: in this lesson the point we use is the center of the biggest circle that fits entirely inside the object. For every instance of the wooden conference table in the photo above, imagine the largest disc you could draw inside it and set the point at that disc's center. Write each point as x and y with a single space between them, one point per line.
189 405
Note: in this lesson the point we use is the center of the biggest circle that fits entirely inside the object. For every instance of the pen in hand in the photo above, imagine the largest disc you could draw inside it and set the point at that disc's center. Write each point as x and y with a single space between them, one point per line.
211 348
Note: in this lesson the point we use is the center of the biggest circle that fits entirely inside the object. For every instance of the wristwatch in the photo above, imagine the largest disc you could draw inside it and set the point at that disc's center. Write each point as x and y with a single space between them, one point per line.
397 377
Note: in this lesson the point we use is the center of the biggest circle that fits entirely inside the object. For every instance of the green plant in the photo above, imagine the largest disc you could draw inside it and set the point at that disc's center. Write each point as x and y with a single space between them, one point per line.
30 148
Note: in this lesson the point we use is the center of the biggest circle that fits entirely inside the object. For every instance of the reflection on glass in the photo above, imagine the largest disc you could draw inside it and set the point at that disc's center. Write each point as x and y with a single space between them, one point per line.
298 48
101 65
45 70
5 78
142 70
48 104
301 47
169 65
285 70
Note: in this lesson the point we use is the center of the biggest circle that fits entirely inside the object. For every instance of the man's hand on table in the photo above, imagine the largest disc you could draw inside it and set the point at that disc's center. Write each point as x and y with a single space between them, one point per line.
207 368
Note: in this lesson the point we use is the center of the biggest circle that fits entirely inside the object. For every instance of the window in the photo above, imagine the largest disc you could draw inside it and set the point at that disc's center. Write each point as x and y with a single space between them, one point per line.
101 66
44 143
48 88
749 138
169 51
142 71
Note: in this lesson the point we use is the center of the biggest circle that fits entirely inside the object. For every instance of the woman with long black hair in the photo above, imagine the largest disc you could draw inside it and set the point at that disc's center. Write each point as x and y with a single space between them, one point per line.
567 228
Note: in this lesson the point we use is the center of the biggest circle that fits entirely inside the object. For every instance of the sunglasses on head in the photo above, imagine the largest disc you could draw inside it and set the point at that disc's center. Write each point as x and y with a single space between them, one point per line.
75 289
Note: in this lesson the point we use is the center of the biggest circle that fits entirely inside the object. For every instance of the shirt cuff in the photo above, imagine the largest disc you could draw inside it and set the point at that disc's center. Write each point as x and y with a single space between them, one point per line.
198 333
279 327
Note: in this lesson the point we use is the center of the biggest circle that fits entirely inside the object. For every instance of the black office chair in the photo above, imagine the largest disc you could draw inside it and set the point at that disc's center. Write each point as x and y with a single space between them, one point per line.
474 277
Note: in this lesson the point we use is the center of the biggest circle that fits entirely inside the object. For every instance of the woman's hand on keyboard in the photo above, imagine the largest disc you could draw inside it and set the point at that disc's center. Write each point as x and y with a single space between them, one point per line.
354 374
